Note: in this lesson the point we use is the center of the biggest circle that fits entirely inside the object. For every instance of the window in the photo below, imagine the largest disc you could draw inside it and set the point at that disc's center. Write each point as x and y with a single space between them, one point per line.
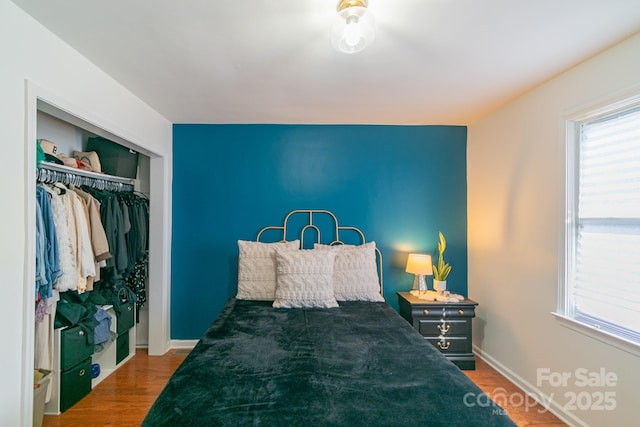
601 286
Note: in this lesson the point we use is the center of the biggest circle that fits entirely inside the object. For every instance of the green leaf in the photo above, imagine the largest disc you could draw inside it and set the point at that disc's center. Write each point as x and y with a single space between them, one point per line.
442 270
442 244
445 273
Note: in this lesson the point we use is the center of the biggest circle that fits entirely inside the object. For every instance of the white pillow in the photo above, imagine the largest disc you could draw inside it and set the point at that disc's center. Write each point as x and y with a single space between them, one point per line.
355 275
304 279
257 268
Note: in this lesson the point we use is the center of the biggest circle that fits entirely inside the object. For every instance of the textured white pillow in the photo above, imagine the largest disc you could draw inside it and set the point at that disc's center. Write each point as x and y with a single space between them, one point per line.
257 268
355 275
304 279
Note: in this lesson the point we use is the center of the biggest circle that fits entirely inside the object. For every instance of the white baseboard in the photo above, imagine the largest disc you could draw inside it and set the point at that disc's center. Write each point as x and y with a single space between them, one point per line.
531 390
182 344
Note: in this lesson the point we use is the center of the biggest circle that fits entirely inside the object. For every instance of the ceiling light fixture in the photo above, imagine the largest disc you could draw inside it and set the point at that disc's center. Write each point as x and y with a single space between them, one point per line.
352 30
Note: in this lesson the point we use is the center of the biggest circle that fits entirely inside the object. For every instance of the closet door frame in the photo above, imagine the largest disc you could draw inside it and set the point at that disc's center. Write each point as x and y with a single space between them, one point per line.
38 98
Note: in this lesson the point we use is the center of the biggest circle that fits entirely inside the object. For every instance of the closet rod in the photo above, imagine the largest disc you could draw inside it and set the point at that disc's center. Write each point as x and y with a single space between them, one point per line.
52 172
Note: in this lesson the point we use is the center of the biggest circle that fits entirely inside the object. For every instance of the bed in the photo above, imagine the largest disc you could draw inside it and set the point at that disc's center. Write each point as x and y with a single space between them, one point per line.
342 362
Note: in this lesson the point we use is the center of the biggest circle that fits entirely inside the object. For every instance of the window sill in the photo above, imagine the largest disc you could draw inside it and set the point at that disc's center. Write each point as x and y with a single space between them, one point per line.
598 334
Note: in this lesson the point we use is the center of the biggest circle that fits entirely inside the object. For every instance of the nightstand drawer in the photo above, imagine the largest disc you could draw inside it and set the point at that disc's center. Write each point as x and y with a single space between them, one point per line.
434 327
450 311
451 344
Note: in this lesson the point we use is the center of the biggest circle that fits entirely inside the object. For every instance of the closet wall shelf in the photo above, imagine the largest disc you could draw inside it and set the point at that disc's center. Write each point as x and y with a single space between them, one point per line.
79 172
52 172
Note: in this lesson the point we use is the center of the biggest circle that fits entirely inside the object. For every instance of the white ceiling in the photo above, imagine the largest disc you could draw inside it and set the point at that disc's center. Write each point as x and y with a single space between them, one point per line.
271 61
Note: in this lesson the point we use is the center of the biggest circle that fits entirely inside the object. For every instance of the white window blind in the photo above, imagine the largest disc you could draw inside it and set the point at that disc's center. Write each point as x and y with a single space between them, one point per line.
604 280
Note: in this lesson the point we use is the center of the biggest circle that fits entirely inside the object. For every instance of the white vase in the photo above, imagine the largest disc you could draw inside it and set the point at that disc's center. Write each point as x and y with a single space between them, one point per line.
439 285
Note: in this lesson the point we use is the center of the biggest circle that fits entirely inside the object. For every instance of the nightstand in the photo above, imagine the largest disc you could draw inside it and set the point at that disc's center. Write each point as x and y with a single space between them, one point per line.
446 325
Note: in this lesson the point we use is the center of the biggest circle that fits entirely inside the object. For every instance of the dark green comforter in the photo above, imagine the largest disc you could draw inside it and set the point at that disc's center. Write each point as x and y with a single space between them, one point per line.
357 365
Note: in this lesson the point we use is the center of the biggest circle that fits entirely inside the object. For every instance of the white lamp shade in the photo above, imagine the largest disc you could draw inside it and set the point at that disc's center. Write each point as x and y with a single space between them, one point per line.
419 264
353 29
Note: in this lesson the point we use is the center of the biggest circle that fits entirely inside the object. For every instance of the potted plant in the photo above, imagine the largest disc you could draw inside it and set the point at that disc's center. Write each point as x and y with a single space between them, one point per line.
442 269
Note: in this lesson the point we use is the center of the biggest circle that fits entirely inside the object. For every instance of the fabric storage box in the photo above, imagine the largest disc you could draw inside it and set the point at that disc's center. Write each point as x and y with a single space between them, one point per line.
76 344
41 380
122 347
126 318
114 158
75 383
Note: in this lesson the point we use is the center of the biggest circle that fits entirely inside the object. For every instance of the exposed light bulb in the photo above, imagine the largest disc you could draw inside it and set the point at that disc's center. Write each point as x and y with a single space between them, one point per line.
352 29
352 33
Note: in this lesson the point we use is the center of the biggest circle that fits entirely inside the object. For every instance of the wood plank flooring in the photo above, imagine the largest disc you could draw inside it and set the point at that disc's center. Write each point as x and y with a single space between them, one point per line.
124 397
523 411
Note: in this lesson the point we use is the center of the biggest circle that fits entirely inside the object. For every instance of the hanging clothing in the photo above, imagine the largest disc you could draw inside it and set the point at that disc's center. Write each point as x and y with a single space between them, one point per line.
51 261
113 222
69 277
137 246
137 280
41 275
67 202
84 243
137 209
97 235
125 217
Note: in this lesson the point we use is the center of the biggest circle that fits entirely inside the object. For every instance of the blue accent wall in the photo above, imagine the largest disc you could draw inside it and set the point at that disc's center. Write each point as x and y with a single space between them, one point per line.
399 184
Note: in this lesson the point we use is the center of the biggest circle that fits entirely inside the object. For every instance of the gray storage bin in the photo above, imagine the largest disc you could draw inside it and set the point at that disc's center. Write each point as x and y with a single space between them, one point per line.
41 380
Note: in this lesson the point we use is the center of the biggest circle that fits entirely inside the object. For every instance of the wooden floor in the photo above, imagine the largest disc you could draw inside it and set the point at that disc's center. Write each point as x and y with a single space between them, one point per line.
522 409
124 397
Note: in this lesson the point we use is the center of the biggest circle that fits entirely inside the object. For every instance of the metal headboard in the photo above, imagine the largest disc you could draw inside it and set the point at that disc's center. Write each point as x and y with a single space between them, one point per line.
336 230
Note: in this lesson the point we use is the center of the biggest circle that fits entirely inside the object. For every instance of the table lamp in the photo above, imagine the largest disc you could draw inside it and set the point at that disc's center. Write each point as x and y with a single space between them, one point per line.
420 265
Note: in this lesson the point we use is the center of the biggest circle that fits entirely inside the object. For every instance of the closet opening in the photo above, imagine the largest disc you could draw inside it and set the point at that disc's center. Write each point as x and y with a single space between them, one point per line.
132 173
72 131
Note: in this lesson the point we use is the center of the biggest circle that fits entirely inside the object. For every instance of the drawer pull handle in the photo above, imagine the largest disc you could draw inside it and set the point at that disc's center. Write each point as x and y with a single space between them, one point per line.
444 345
81 333
81 373
461 312
444 328
426 312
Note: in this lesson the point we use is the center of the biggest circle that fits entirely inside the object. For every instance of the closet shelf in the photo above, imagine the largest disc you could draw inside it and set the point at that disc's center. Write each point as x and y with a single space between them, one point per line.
79 172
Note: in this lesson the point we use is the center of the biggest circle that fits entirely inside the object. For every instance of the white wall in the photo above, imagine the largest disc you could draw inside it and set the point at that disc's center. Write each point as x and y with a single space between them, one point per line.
515 190
29 51
67 137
